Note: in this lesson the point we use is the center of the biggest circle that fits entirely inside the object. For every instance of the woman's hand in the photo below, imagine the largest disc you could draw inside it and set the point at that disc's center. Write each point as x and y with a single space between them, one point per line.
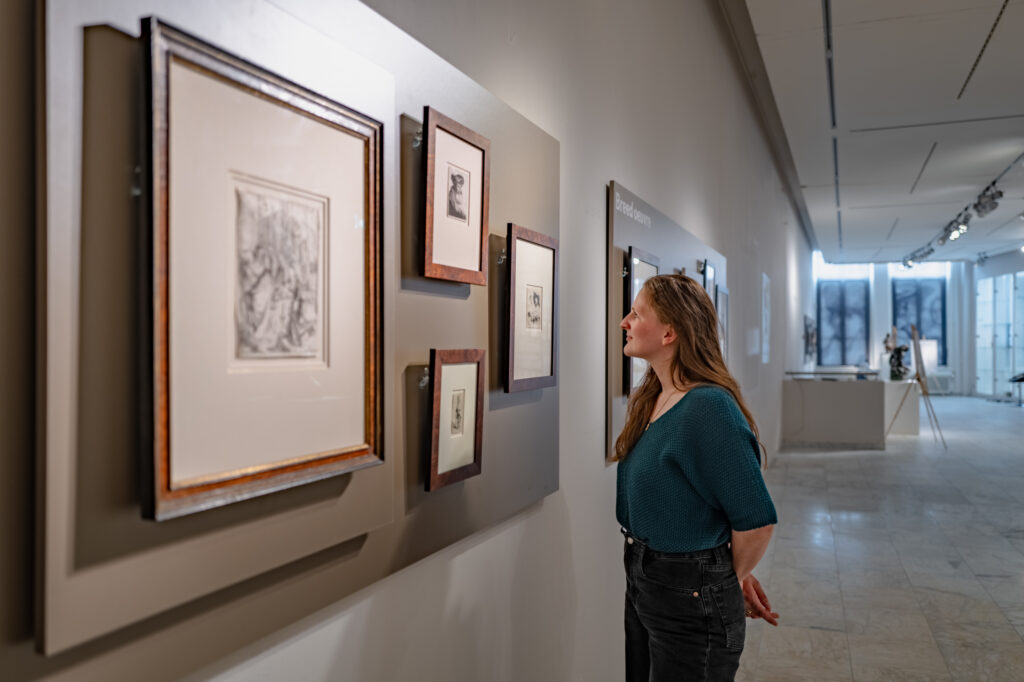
756 601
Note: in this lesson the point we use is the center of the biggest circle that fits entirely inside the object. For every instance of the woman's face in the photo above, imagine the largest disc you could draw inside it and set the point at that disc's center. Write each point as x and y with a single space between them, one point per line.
646 335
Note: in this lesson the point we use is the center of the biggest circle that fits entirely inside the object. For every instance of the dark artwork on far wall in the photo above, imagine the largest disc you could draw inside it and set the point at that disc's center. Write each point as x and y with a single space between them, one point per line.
722 306
810 339
640 266
708 271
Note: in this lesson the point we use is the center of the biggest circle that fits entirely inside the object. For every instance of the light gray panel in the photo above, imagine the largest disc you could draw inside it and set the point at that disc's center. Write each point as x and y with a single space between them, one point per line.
104 568
677 251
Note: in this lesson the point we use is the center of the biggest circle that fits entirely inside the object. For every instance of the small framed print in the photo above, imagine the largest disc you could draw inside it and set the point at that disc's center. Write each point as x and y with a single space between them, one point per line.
722 306
640 266
810 339
709 279
457 196
532 344
264 332
457 386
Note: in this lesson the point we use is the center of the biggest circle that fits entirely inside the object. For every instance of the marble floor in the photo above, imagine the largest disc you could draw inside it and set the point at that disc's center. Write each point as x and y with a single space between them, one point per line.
906 564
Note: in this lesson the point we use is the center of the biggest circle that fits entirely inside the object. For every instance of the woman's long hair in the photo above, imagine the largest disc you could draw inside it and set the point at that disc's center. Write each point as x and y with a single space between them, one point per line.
680 302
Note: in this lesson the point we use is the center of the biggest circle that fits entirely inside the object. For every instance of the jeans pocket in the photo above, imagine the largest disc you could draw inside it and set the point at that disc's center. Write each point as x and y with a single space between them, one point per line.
731 609
683 575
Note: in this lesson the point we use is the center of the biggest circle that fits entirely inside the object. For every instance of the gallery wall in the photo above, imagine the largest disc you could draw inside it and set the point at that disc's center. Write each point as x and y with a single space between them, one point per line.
653 97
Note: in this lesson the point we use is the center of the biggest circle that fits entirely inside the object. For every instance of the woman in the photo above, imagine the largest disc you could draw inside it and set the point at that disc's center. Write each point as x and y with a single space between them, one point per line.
691 499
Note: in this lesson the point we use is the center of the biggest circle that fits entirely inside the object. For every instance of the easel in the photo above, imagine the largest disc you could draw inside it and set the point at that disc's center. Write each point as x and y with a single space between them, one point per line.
922 381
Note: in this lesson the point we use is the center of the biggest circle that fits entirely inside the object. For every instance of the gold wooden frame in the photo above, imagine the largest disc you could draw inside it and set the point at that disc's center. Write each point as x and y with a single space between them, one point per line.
164 43
432 120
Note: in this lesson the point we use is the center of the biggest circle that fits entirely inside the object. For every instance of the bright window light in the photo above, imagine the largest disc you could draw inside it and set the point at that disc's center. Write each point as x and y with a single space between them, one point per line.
823 270
926 270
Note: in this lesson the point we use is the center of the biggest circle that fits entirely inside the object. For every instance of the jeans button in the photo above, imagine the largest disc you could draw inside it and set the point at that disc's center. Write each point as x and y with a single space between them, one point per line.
629 541
696 594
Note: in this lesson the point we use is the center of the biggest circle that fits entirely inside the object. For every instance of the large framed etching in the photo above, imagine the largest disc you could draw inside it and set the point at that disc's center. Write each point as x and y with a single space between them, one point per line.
264 202
640 266
457 387
457 177
532 309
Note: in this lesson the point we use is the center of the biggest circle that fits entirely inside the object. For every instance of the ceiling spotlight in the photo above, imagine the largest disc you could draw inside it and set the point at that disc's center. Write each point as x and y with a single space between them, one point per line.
987 201
1022 249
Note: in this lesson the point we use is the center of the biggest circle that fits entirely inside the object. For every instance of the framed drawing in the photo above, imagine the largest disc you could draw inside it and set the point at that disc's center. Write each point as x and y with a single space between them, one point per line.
722 306
709 278
810 339
532 342
766 318
640 266
264 204
457 387
457 180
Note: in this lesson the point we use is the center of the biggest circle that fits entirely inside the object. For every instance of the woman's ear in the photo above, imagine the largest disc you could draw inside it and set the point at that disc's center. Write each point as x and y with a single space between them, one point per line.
669 338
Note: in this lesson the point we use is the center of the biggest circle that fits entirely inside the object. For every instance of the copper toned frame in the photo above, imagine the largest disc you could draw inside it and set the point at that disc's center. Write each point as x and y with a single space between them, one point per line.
515 233
164 43
438 359
432 120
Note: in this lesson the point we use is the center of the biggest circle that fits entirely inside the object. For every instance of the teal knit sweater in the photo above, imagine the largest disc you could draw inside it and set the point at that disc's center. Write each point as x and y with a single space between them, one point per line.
694 476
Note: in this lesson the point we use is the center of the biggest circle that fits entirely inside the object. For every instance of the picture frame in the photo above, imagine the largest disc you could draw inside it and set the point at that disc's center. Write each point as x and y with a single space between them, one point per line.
708 270
810 339
722 308
640 266
265 328
457 187
766 318
457 415
532 340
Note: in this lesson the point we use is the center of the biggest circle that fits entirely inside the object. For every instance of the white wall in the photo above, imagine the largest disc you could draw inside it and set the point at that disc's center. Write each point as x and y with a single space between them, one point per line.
1000 265
649 93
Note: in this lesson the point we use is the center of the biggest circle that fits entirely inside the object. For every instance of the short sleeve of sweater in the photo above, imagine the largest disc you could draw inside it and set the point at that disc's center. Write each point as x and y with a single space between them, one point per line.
728 460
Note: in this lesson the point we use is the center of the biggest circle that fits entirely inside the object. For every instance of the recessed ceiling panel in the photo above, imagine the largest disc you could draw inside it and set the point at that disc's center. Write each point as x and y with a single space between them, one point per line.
912 152
996 82
908 71
785 16
796 69
845 12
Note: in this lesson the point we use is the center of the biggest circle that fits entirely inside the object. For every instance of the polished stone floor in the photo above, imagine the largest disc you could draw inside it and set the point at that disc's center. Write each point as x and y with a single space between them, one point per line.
906 564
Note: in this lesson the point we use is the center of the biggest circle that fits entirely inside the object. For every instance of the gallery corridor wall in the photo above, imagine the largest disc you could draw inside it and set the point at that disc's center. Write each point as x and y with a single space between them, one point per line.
651 95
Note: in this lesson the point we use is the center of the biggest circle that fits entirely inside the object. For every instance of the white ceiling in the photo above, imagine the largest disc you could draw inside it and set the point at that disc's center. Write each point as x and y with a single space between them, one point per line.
911 154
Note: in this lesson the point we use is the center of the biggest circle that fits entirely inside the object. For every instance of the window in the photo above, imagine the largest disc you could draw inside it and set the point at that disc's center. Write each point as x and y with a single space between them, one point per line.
843 321
922 303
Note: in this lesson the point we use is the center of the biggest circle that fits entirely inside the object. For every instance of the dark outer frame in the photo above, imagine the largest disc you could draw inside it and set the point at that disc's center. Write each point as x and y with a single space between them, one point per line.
438 359
432 120
159 502
723 323
515 233
704 271
627 305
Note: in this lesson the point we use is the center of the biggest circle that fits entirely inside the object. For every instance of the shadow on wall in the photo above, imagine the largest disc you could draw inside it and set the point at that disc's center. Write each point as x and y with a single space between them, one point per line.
460 640
438 606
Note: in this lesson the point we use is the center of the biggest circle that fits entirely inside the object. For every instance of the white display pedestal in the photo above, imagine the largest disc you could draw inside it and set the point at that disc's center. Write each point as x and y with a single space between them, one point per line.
850 415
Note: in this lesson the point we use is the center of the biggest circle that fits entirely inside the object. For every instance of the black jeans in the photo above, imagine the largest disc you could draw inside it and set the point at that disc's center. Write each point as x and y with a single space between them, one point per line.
684 615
